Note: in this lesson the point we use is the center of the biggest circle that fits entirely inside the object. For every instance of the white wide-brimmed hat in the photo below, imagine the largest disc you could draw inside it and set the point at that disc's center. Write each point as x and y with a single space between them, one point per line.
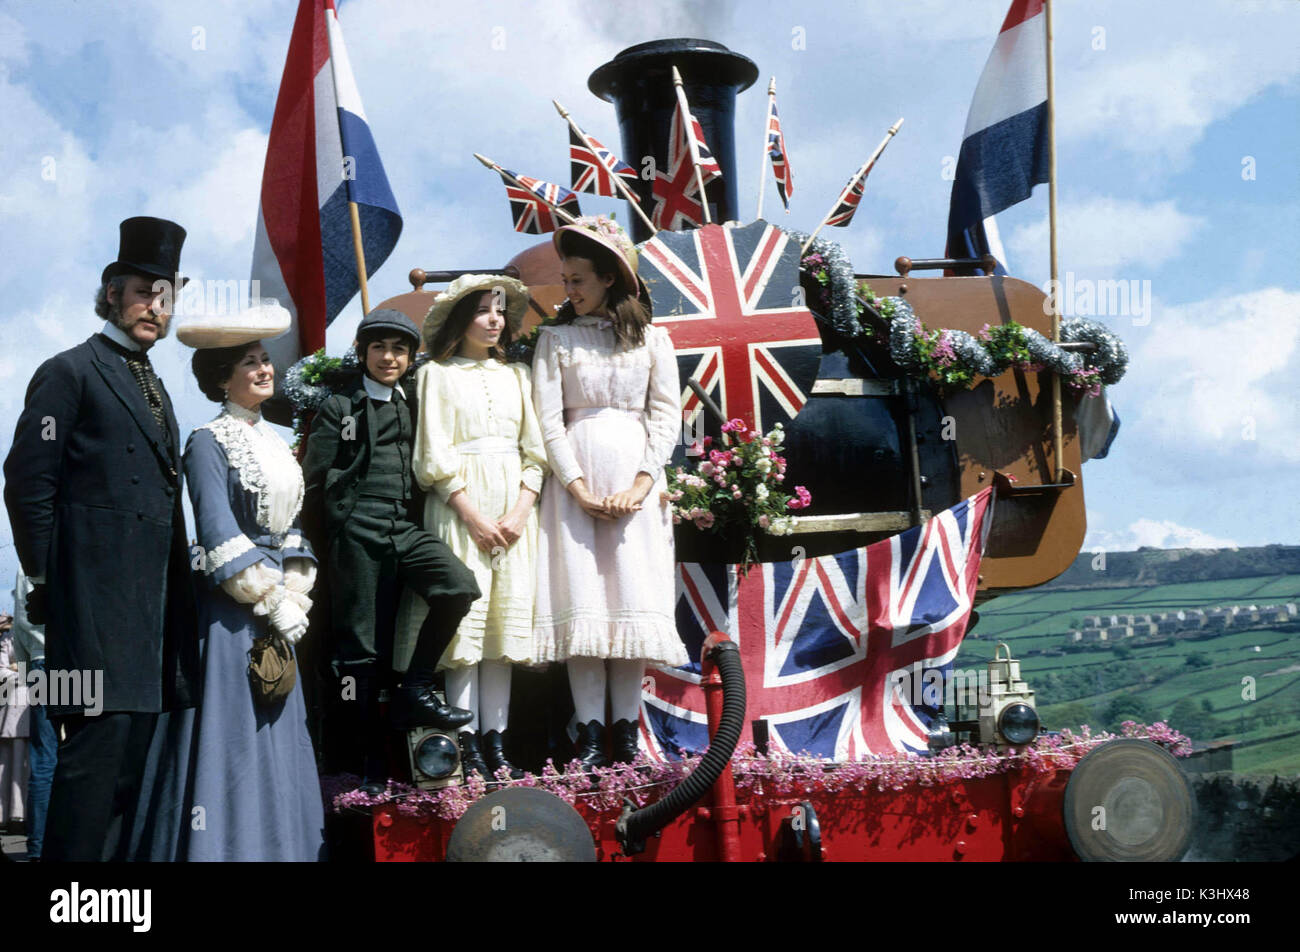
261 320
516 294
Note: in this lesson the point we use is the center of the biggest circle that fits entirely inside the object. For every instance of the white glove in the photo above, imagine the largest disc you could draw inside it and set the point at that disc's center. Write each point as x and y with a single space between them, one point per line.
299 577
289 620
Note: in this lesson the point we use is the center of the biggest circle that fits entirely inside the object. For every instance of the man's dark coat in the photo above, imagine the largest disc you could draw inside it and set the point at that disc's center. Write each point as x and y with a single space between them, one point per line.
94 500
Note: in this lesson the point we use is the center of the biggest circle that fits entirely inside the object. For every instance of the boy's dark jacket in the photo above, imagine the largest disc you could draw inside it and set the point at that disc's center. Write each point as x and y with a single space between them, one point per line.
334 467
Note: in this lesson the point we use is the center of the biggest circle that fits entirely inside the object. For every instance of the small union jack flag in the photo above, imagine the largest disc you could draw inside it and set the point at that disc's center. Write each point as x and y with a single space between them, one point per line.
593 166
676 194
780 157
840 652
849 199
529 205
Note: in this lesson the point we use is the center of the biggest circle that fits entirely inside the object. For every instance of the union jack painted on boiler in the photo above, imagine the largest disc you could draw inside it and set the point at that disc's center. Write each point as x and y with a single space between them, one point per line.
730 299
829 645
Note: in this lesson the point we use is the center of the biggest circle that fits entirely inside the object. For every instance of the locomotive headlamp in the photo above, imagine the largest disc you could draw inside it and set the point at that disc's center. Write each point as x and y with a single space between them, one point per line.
1007 715
1018 724
435 758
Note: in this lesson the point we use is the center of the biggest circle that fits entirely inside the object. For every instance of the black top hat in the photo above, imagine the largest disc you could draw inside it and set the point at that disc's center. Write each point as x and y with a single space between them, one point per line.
150 247
386 318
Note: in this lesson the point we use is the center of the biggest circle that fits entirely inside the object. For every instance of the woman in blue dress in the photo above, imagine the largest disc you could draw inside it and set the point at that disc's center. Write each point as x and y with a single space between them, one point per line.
243 773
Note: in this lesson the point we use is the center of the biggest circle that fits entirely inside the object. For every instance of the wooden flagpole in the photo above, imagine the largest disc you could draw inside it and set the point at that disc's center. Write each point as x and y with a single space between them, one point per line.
618 179
568 219
762 167
866 167
1057 434
684 106
360 255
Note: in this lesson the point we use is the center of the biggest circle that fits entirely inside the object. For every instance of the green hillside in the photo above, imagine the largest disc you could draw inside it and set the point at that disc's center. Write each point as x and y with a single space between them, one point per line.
1241 685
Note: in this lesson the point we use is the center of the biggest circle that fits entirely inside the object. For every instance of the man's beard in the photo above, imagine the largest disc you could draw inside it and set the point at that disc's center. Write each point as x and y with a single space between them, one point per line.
118 320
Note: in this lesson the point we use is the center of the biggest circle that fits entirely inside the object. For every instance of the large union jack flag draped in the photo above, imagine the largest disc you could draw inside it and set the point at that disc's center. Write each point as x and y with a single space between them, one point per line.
834 648
777 152
593 166
528 205
676 195
730 299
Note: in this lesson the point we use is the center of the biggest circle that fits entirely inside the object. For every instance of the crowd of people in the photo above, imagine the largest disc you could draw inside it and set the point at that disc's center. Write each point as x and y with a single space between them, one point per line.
468 516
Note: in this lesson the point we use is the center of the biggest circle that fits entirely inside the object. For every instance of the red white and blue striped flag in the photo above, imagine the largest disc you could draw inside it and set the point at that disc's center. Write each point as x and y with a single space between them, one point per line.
320 155
593 166
529 205
1004 148
840 651
777 151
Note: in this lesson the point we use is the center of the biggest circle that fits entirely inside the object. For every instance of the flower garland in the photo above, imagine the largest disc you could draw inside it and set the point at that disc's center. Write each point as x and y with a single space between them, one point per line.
778 773
839 300
739 488
954 358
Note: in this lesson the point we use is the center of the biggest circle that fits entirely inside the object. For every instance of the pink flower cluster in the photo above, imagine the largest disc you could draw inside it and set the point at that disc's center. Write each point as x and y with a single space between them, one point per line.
943 353
802 500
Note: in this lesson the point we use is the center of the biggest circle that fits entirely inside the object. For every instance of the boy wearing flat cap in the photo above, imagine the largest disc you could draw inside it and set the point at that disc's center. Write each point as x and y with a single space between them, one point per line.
360 481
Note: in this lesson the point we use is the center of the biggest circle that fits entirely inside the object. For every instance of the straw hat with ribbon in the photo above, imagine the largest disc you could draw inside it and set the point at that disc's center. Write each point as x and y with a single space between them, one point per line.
262 320
516 301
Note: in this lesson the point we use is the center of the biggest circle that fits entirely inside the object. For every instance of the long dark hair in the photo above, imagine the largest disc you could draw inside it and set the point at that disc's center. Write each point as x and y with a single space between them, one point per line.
446 341
628 315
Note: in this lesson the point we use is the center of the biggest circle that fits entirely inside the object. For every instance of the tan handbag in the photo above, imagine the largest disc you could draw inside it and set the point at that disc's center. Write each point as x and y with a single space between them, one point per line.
272 670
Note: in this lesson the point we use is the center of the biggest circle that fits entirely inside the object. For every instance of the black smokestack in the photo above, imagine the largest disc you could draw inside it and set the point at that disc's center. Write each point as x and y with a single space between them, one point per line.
639 82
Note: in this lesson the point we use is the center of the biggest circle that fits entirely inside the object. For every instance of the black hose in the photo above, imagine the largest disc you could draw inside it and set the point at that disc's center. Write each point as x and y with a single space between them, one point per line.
634 826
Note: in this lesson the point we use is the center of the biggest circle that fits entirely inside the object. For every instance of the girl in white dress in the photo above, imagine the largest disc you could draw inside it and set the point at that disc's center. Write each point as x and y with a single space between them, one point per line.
609 403
479 453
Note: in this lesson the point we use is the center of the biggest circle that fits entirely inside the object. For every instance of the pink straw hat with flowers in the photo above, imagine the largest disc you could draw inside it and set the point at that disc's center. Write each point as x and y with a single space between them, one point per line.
606 233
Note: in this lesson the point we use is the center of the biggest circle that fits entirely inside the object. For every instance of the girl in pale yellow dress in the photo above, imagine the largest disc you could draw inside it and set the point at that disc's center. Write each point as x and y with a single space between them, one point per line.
479 454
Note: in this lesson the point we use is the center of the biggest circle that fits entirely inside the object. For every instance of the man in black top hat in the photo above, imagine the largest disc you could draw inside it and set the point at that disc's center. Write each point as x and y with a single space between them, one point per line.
93 489
360 488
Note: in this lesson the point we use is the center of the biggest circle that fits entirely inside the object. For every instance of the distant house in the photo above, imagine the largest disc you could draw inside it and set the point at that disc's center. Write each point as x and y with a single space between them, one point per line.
1219 619
1075 636
1196 618
1093 635
1290 609
1119 632
1148 630
1091 621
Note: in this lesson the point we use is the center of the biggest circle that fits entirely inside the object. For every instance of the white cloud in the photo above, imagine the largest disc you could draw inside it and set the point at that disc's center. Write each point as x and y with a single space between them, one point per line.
1100 237
1155 92
1218 377
1154 533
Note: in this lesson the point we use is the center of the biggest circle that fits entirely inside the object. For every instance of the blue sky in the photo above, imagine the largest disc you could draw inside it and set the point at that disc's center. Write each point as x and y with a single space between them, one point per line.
163 106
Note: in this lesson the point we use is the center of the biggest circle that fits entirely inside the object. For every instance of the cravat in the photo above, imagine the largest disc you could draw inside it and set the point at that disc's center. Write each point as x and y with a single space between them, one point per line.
142 370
